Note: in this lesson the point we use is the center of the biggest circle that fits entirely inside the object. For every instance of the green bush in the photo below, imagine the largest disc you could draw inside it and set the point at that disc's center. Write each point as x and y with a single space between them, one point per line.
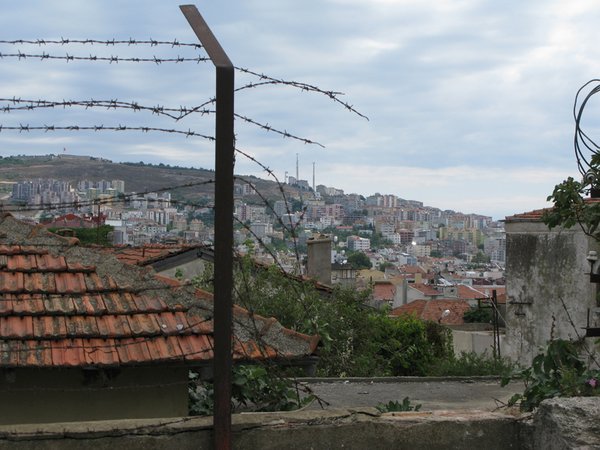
472 364
559 372
478 315
253 388
355 340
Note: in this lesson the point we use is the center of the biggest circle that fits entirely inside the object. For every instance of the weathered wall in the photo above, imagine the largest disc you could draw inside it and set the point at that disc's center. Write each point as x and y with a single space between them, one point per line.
319 259
363 429
479 342
547 286
63 395
558 424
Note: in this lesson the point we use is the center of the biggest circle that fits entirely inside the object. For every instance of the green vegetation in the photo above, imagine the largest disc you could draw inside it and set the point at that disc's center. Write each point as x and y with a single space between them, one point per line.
559 372
480 258
91 236
253 388
478 315
396 406
472 364
358 260
355 339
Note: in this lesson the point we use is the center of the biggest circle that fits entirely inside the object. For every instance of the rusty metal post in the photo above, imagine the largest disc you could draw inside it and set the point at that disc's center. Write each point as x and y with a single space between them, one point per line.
224 163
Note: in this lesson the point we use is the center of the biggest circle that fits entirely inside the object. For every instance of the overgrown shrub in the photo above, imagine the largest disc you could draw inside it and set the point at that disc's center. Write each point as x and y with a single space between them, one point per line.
253 388
472 364
559 372
356 340
478 315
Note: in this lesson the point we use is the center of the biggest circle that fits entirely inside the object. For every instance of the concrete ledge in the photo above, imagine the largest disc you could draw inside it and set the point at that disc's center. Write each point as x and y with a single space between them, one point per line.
467 379
348 428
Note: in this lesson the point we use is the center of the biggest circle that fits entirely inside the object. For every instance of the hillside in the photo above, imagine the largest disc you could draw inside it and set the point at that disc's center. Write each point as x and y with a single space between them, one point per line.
138 177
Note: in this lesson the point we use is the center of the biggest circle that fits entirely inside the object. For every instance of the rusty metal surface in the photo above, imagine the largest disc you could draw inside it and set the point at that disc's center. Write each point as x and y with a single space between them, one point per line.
224 163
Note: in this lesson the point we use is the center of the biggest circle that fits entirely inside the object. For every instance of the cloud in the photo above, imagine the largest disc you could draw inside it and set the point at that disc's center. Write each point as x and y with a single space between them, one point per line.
469 102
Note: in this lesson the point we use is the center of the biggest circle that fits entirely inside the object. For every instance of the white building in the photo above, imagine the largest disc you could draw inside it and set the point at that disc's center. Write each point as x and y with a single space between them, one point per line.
357 243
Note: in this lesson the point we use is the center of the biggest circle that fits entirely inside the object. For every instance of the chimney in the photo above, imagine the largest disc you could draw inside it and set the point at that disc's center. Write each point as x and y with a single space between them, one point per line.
319 259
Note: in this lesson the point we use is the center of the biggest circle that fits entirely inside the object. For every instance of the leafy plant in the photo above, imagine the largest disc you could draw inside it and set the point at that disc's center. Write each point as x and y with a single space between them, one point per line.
478 315
559 372
570 208
253 388
396 406
472 364
355 339
92 236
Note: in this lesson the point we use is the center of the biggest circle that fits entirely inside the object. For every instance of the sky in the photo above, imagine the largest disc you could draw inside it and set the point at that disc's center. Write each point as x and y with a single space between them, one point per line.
469 102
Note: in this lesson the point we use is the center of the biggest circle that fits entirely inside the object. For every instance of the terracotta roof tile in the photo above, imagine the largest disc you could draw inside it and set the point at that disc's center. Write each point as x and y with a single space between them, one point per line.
536 214
6 304
100 352
72 309
384 291
433 310
425 289
9 353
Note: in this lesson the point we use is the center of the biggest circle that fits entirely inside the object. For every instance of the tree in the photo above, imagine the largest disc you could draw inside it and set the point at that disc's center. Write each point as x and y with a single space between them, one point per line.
480 258
358 260
355 340
570 207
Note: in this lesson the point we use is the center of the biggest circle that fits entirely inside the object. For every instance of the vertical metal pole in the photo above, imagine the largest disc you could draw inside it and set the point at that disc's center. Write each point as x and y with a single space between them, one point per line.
496 325
224 163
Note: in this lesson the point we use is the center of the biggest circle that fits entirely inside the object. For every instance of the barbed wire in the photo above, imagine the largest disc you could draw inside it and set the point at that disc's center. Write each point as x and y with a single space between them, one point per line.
181 112
109 42
48 128
305 87
110 59
253 327
29 105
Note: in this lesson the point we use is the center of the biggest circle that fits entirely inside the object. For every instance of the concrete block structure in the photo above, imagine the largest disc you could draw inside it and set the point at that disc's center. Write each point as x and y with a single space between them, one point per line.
549 294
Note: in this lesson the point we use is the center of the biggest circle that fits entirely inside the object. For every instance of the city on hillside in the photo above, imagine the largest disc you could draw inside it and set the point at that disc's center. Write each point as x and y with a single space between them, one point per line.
399 248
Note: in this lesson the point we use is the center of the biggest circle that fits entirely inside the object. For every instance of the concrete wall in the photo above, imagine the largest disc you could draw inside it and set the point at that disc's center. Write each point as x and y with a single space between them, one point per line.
189 269
547 286
63 395
475 341
349 429
319 259
558 424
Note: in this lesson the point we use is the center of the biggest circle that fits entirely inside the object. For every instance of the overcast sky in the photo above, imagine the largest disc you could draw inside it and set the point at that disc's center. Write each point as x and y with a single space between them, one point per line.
469 102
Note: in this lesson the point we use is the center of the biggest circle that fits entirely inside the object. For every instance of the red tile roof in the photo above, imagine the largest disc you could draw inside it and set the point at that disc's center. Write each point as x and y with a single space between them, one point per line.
65 305
384 290
536 214
425 289
149 253
412 270
434 309
466 292
72 221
